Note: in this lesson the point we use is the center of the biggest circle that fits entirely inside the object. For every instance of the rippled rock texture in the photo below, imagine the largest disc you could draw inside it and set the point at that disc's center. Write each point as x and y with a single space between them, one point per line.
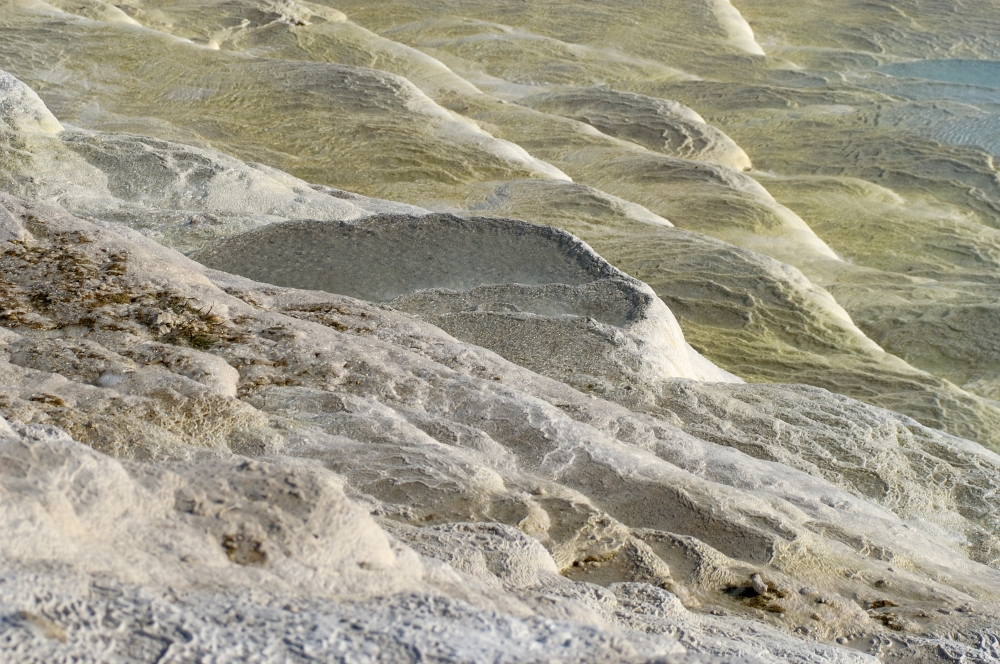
491 109
361 332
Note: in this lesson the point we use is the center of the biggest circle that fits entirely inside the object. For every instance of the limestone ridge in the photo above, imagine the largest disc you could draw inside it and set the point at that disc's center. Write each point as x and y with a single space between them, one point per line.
535 295
180 195
658 124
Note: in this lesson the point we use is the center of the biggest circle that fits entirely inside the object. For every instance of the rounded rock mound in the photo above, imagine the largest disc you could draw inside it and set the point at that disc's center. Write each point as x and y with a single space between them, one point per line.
535 295
385 256
660 125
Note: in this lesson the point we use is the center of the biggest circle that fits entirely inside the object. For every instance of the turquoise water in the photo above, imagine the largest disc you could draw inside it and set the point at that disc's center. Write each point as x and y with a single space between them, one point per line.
983 73
956 102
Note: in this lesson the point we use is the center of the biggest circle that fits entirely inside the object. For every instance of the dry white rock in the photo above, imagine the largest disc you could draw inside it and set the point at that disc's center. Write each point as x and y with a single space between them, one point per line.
441 441
536 295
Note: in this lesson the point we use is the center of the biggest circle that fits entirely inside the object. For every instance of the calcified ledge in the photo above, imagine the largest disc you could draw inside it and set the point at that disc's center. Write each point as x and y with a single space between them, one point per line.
534 294
118 343
248 415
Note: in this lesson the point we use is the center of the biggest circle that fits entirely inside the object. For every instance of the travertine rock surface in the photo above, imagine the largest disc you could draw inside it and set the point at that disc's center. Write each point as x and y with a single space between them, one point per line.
368 333
484 482
533 294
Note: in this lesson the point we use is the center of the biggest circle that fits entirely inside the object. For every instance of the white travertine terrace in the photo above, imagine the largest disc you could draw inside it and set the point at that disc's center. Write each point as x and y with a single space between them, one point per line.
498 332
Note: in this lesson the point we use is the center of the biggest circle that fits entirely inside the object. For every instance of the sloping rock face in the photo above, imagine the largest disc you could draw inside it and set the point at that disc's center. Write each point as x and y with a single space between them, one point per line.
484 480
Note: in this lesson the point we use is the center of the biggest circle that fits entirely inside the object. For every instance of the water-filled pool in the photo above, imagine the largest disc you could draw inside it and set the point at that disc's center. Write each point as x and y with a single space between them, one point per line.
956 102
983 73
